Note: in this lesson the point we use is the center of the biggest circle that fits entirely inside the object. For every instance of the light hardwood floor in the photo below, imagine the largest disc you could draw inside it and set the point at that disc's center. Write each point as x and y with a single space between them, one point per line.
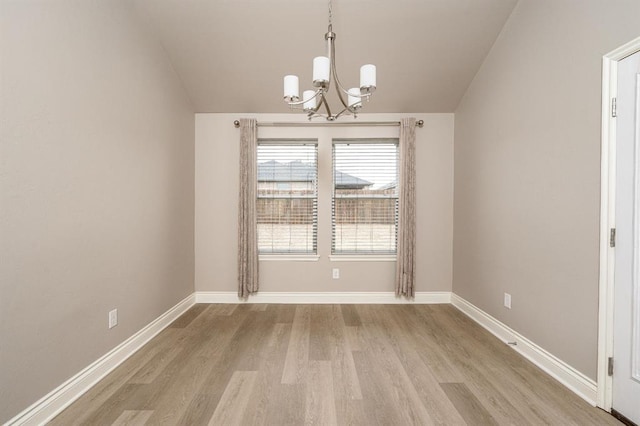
328 364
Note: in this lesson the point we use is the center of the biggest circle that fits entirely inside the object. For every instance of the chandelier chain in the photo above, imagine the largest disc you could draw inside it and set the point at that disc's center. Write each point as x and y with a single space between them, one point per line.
330 15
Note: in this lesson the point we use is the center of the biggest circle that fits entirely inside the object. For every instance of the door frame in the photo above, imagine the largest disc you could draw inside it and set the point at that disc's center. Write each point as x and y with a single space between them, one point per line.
608 219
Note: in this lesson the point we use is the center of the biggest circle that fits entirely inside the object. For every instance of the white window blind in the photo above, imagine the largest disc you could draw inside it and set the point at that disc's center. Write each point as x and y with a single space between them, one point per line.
287 200
365 197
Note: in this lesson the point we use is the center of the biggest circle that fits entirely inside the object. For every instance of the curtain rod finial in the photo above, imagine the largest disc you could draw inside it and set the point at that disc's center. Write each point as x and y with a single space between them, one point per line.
236 123
420 123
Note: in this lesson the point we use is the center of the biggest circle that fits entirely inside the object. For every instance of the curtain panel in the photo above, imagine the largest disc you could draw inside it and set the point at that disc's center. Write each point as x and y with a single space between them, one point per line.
405 262
247 223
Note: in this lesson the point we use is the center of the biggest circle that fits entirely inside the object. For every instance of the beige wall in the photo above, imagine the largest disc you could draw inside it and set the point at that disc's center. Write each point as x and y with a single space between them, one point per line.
96 200
527 158
217 153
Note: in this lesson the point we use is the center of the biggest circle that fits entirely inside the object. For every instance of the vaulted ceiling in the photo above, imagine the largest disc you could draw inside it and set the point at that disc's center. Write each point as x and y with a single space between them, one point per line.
231 55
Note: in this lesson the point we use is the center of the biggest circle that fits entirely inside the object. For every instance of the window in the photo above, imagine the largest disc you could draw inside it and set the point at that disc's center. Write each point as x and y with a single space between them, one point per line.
287 200
365 197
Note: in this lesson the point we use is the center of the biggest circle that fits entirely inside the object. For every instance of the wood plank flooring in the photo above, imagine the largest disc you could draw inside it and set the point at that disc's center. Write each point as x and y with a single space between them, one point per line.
328 365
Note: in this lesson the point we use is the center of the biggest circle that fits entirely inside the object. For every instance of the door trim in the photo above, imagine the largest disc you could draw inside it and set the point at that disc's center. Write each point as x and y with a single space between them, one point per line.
607 218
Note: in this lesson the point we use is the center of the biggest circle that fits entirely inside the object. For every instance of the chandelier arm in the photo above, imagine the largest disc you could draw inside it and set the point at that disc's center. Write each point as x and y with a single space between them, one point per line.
332 61
344 111
314 114
306 100
326 105
339 85
355 95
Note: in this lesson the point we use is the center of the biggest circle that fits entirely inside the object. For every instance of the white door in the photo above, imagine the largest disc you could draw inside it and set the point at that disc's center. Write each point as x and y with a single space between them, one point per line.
626 335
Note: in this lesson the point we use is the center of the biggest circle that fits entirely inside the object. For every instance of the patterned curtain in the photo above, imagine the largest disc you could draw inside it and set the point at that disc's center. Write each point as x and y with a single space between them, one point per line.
247 224
405 263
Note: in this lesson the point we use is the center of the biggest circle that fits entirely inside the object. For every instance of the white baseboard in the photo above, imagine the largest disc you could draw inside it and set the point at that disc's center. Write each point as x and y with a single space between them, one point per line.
577 382
57 400
382 297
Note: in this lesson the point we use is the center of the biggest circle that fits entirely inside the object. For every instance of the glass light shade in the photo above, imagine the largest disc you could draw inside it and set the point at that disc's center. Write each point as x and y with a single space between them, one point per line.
321 70
367 78
354 101
291 89
309 103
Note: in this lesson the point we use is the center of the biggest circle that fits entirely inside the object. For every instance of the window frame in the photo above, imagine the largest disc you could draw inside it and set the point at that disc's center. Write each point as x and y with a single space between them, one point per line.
292 255
355 255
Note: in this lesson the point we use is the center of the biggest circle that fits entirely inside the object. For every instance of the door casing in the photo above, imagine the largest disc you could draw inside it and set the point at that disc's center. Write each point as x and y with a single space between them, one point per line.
607 219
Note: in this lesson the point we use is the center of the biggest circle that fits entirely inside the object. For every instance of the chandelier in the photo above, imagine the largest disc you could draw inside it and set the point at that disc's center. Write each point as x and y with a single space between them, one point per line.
324 70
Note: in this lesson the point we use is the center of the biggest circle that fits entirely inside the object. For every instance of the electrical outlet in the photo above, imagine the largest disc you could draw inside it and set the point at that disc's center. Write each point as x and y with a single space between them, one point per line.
113 318
507 300
336 273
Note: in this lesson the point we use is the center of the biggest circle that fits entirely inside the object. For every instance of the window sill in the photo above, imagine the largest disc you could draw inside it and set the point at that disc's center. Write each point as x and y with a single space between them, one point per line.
289 257
363 258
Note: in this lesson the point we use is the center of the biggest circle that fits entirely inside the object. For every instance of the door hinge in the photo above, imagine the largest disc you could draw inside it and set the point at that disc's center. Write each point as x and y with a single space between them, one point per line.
610 366
614 107
612 238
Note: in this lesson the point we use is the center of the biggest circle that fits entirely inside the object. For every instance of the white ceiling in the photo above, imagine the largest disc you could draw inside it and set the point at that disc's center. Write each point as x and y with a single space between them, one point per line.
232 54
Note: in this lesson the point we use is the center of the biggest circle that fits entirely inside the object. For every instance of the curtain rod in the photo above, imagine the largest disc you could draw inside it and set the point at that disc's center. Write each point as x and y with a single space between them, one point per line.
419 123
